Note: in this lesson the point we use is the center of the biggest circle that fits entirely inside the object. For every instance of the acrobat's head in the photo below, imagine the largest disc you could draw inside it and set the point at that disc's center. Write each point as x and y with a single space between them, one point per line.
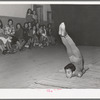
69 69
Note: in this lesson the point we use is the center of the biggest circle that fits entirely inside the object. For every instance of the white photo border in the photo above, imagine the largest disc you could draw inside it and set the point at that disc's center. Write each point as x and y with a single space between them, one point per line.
43 93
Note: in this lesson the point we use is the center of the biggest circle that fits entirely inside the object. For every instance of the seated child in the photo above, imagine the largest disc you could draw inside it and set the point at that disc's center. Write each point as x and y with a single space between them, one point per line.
9 30
25 35
35 38
4 40
51 38
30 34
38 33
41 36
45 37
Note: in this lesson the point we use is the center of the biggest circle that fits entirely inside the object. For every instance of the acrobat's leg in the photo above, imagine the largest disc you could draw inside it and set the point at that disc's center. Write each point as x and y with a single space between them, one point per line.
63 33
68 47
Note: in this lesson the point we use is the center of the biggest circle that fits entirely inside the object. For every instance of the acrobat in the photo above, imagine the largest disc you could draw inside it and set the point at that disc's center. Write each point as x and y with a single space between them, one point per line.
76 65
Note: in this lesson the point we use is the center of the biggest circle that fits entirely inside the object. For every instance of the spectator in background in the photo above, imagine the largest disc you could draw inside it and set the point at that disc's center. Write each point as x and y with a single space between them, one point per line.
45 37
30 34
25 34
51 38
37 32
35 38
29 17
41 36
34 16
19 35
10 31
4 40
9 28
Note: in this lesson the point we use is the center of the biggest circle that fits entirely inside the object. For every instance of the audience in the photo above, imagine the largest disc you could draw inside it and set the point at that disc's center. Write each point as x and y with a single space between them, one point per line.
30 35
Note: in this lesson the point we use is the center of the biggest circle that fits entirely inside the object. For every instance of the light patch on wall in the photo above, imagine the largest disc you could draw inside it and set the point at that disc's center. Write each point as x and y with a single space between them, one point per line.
45 9
14 10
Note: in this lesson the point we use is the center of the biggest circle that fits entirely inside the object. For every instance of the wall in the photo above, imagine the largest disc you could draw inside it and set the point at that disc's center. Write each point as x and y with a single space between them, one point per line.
17 12
82 22
45 9
14 10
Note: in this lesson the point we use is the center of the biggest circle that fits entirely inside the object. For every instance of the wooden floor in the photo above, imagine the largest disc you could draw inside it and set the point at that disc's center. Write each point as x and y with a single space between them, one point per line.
39 68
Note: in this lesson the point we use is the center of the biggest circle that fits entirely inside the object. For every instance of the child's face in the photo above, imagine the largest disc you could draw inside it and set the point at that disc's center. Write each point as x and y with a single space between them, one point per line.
10 22
29 11
29 24
26 25
18 26
69 73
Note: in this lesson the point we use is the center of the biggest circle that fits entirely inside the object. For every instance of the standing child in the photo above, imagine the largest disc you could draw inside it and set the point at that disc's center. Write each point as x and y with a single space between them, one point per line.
29 16
34 15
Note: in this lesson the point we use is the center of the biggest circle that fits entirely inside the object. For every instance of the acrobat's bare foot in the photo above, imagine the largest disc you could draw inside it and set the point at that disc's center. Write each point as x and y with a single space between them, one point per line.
62 31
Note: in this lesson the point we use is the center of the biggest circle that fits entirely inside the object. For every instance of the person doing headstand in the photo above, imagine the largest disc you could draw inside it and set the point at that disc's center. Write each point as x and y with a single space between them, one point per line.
76 65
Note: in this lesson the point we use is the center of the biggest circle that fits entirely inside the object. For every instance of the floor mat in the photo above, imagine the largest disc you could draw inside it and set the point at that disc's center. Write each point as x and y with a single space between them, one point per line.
91 79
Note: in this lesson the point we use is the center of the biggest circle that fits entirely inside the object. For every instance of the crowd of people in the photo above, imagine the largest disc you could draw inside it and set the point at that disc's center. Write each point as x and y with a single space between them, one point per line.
31 34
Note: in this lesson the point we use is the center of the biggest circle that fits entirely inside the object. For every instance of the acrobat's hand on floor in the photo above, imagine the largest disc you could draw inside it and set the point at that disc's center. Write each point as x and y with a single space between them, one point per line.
80 74
84 70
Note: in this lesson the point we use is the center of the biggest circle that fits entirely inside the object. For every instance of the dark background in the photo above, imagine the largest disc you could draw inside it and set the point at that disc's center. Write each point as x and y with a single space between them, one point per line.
82 22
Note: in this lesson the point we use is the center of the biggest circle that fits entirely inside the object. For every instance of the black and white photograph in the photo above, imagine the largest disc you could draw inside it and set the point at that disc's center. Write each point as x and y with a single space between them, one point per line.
49 46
